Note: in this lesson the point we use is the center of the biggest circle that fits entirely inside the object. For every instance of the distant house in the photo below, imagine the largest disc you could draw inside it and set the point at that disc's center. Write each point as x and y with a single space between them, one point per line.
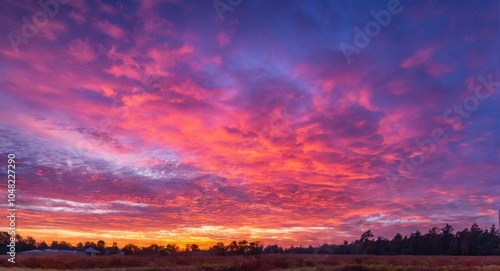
34 251
51 251
113 251
200 253
91 251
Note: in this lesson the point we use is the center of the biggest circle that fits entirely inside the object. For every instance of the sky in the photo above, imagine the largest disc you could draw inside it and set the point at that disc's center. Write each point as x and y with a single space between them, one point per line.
289 122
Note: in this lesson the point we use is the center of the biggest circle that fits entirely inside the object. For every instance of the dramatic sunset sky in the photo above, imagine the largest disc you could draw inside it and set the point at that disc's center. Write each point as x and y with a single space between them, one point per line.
184 121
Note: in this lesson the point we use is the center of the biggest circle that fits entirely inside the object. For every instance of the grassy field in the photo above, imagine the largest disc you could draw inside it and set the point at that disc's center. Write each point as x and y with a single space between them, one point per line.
263 262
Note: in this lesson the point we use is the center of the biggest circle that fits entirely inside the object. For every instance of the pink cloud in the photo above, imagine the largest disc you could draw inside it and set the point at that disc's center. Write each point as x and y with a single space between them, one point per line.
52 29
77 17
223 39
424 58
110 29
81 50
438 69
106 8
420 57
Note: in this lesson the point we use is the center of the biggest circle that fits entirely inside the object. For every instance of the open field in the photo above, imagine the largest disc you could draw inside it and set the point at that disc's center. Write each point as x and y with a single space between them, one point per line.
263 262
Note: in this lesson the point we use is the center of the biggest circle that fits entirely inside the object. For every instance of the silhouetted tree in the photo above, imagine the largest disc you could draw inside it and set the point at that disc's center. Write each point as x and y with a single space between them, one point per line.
65 245
438 241
42 245
101 245
172 248
131 249
54 245
233 247
192 247
219 249
396 244
23 244
274 249
255 248
113 249
447 238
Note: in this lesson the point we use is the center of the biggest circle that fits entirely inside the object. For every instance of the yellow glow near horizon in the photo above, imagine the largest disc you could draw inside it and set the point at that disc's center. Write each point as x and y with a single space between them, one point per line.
204 236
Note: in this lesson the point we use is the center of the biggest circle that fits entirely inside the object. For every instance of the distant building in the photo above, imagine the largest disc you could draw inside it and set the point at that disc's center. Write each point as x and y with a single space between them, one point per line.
113 251
34 251
91 251
51 251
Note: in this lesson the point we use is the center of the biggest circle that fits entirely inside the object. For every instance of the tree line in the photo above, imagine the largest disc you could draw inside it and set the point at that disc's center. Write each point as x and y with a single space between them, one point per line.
437 241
